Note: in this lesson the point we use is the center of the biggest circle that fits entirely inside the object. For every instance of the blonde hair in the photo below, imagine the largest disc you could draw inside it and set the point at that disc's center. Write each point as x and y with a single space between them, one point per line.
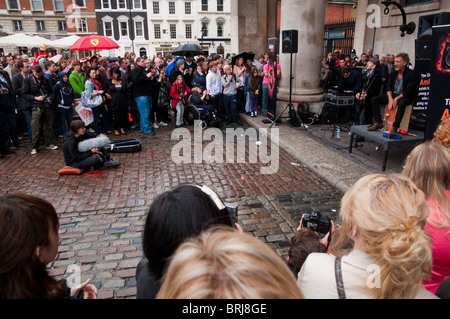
442 133
428 166
389 213
224 264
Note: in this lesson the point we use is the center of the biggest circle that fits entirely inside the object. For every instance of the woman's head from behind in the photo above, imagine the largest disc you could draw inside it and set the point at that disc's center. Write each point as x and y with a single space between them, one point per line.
385 216
28 242
428 166
174 216
222 263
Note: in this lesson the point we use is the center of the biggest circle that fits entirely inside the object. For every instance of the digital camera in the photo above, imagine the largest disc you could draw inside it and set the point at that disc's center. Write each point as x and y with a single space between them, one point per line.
233 212
315 222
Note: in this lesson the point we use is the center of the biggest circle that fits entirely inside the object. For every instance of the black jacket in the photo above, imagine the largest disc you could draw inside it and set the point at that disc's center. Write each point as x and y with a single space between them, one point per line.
142 85
32 87
70 148
17 82
371 84
408 83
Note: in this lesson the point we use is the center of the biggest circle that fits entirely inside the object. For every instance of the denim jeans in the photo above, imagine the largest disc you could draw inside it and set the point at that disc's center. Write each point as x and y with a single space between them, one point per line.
265 98
247 103
64 115
231 108
144 104
97 111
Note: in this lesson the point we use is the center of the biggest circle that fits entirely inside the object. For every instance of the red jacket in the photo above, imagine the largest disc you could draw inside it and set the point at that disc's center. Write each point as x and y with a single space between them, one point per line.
175 92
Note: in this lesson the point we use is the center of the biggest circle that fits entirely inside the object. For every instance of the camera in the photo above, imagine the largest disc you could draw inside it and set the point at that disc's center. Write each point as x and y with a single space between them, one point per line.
233 212
315 222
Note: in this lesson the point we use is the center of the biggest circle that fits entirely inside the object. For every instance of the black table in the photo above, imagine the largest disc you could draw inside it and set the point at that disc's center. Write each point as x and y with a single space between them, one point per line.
377 136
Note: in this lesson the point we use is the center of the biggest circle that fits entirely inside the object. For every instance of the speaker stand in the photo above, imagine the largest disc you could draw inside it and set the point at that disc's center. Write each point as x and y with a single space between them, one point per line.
290 106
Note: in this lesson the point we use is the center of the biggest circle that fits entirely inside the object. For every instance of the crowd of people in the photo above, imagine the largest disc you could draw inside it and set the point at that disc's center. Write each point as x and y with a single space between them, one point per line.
391 241
374 81
38 95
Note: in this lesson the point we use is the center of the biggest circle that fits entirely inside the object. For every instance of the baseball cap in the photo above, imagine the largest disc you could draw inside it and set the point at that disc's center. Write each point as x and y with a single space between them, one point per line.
82 60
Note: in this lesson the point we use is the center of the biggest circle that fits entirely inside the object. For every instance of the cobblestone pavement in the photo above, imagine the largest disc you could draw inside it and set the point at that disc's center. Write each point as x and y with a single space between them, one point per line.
102 217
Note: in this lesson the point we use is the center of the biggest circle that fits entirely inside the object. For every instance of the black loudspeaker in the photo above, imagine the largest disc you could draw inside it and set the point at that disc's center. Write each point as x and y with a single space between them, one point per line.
425 31
329 114
289 41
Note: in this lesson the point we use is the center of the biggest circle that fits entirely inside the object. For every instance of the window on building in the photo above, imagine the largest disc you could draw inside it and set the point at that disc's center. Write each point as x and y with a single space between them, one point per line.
139 27
79 3
122 4
108 28
188 31
205 29
62 25
81 25
171 7
59 5
155 7
105 4
40 26
36 5
13 5
157 29
219 29
187 8
137 4
17 25
219 5
173 31
204 5
123 28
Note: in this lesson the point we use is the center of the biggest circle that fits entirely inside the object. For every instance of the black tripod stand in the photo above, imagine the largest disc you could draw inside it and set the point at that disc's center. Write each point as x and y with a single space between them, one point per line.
290 106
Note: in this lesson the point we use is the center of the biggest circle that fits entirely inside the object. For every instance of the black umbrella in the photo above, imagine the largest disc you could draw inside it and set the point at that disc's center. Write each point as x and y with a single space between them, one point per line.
245 55
185 49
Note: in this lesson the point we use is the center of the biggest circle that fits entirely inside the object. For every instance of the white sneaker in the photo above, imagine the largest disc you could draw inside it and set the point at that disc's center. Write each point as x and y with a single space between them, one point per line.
52 147
33 151
155 125
163 124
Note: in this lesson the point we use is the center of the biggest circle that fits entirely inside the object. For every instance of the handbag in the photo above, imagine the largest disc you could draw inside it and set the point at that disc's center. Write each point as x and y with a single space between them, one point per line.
91 102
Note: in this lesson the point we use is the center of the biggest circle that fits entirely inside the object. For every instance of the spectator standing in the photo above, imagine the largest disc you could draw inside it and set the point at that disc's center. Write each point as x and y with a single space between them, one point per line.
230 85
214 88
164 94
77 79
117 89
143 91
65 98
254 81
94 88
21 102
7 110
265 86
37 91
179 94
240 70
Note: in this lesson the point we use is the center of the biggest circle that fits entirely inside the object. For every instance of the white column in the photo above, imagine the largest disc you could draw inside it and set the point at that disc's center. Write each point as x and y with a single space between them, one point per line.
308 17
